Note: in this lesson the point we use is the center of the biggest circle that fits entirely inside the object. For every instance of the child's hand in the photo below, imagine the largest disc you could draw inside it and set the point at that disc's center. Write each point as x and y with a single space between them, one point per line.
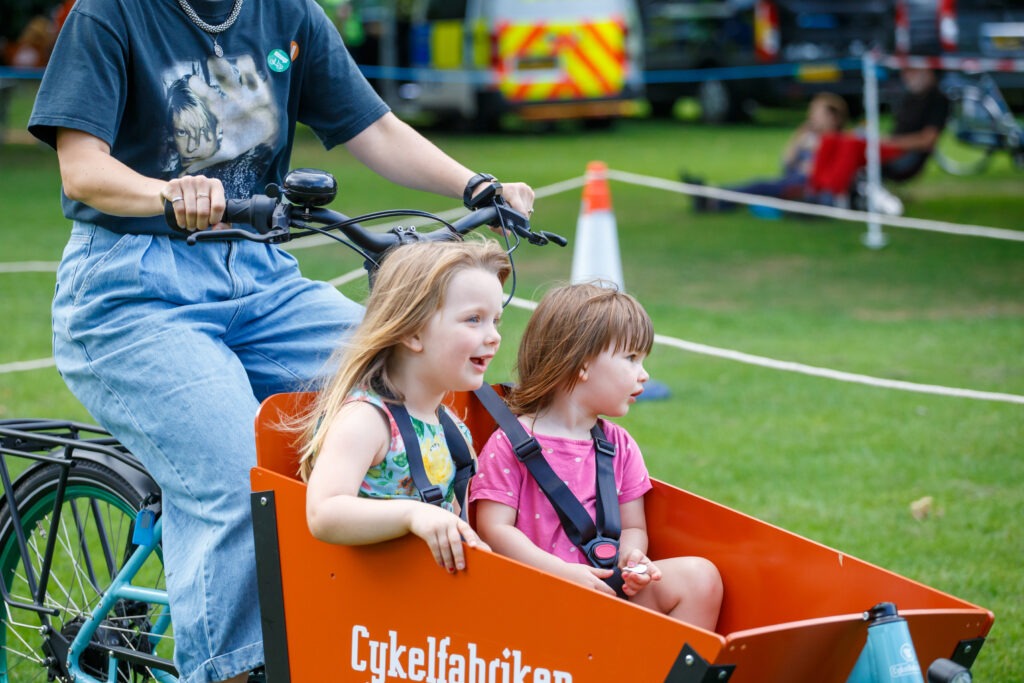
591 577
444 532
637 573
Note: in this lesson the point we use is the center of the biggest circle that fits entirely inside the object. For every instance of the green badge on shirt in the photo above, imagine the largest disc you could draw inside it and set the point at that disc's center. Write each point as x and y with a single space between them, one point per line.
278 60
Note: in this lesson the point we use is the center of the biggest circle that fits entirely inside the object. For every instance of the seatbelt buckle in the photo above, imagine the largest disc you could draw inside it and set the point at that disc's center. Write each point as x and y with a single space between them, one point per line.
602 552
526 450
432 495
604 446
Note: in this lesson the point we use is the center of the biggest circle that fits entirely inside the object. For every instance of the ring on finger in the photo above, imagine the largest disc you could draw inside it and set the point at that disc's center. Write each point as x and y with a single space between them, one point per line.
179 198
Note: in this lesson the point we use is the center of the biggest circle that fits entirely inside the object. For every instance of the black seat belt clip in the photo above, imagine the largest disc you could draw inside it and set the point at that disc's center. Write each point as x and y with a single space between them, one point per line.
432 494
527 450
603 446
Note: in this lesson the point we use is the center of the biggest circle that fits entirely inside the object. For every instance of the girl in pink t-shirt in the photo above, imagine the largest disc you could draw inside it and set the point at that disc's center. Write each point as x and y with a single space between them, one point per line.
581 357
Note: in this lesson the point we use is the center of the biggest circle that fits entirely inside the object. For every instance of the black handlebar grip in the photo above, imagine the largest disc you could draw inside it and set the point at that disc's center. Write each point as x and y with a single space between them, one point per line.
237 211
256 211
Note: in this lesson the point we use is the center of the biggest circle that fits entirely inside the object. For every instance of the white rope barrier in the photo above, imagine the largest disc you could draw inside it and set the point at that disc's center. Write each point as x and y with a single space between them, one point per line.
827 373
817 209
29 267
704 349
25 365
838 375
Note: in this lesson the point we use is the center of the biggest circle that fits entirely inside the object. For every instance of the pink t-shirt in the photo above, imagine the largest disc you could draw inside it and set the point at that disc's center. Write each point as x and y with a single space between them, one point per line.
502 478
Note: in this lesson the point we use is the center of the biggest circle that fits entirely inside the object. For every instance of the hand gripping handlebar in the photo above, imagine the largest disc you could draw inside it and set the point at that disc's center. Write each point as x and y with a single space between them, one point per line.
297 206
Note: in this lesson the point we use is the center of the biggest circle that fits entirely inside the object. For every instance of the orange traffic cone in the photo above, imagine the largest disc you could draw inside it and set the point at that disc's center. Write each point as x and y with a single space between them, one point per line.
595 254
596 250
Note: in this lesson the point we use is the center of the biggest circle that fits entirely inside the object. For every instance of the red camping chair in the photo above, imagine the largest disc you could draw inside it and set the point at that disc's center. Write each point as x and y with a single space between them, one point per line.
839 157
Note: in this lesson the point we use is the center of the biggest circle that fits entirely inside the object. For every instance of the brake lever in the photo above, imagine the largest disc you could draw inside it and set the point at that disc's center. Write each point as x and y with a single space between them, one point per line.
274 236
509 218
553 237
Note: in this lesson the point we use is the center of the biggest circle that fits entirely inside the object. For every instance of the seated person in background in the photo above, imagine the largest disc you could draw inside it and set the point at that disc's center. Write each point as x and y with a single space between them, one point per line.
827 113
919 116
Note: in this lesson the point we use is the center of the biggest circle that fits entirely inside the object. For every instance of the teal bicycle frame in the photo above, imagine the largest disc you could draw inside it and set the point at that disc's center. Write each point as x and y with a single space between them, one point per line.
122 588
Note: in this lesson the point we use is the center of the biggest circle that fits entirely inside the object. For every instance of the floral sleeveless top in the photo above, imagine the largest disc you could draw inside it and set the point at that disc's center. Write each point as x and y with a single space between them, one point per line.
391 477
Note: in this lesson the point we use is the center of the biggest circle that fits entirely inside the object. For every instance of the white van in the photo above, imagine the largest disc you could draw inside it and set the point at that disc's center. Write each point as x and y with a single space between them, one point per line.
539 59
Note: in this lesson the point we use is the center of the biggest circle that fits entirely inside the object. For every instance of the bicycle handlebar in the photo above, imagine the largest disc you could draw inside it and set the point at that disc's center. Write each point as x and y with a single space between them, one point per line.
298 205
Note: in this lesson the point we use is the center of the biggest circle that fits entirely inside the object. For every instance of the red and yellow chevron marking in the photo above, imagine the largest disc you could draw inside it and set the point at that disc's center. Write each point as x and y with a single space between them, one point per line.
561 61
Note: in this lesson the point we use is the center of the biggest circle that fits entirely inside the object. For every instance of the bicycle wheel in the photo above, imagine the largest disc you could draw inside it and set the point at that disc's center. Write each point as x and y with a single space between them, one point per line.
968 140
961 159
93 540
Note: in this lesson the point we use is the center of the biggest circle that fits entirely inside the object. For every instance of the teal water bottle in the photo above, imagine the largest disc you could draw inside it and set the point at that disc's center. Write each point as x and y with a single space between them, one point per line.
889 655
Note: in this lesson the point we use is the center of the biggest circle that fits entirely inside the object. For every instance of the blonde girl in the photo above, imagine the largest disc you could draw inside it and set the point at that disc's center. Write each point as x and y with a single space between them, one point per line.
430 328
581 357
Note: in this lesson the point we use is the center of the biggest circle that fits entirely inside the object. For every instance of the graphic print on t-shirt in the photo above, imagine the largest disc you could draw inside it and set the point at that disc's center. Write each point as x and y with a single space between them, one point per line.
222 122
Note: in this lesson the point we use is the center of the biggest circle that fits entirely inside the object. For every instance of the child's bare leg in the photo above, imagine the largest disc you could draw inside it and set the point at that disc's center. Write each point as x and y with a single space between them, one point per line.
690 590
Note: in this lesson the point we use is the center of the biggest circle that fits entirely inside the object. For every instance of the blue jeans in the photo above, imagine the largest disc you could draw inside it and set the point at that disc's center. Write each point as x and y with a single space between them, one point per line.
172 348
789 186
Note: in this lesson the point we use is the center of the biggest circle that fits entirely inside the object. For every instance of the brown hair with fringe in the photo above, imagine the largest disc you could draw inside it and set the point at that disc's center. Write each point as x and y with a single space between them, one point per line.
571 326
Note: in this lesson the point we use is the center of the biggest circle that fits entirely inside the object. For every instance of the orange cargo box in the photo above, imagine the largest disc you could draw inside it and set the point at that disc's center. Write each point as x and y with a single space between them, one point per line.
793 608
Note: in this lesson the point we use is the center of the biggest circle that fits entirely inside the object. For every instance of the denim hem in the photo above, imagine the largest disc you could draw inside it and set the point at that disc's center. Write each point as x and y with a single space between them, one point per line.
223 667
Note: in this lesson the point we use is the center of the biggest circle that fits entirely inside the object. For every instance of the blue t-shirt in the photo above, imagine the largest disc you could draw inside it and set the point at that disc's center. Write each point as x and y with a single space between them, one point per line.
140 75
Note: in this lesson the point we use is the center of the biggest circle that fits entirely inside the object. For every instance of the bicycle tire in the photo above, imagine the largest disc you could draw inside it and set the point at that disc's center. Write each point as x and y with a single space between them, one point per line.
967 143
960 159
94 539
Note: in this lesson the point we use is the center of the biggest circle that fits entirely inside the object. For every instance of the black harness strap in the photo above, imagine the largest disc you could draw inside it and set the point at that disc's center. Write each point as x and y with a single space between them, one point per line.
465 465
599 541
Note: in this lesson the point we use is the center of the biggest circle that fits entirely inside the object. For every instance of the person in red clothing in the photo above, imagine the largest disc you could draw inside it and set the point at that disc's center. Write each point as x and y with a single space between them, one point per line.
919 115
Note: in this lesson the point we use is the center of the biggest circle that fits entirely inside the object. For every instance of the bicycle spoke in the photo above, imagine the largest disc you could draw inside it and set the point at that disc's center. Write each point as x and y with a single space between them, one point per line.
101 528
28 650
69 591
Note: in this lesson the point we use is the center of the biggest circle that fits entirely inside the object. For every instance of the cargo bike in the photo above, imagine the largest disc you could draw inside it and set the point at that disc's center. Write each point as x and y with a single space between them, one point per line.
81 574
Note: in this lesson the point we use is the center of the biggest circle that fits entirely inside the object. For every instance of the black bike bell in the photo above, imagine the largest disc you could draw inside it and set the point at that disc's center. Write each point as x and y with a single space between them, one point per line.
310 187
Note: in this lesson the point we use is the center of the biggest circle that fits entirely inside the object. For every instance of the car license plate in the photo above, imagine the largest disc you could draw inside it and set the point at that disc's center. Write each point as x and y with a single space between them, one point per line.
1003 38
1008 43
818 73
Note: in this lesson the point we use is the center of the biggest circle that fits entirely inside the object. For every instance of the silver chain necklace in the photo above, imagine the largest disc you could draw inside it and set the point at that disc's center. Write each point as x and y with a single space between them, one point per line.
215 31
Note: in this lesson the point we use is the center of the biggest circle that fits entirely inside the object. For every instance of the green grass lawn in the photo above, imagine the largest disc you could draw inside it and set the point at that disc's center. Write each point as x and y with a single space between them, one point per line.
837 462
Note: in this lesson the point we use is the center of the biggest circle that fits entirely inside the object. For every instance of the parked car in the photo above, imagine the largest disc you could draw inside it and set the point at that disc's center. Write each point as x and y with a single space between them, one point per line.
965 28
817 34
680 35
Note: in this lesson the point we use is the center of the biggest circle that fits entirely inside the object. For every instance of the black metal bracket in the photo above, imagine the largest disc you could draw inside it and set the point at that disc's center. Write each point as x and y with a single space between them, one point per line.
967 651
690 667
270 587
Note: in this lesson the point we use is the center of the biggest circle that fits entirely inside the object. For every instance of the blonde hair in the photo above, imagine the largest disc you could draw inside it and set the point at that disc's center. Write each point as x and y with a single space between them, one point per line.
571 326
407 291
